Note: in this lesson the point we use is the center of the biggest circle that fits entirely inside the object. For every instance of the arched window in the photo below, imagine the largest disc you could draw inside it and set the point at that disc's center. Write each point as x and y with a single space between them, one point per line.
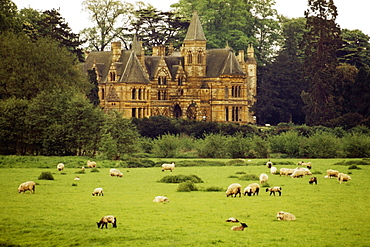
102 94
134 93
200 57
190 57
139 94
226 113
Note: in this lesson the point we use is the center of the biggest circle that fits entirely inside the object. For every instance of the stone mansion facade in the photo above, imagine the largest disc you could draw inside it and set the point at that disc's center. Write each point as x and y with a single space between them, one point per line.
193 83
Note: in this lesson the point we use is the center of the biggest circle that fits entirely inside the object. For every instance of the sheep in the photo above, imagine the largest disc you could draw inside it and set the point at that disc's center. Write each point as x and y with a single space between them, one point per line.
115 172
269 164
273 170
77 178
286 171
29 185
263 178
234 189
107 219
91 164
60 166
83 168
300 172
273 190
252 189
98 192
161 199
168 167
331 173
308 164
343 177
313 180
239 228
281 215
232 219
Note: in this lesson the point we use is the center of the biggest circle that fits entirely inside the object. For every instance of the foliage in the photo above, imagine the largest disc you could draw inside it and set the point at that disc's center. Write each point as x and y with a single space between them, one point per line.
288 143
8 17
357 145
46 176
213 146
249 177
166 146
181 178
323 145
187 186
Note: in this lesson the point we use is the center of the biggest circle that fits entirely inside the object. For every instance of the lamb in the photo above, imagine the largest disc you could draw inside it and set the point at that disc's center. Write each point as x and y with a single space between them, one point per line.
83 168
313 180
161 199
252 189
300 172
239 228
274 189
60 166
98 192
168 167
115 172
331 173
269 164
263 178
281 215
273 170
107 219
29 185
234 189
91 164
343 177
232 219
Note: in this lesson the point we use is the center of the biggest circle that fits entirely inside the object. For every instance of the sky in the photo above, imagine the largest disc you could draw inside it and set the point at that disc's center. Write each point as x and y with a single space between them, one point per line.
352 14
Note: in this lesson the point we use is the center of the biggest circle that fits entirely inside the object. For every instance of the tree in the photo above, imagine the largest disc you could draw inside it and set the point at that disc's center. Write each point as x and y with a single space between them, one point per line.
321 42
111 18
8 17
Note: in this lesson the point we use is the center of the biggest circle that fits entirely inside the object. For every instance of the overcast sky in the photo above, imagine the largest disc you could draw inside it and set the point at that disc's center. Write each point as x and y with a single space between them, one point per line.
352 14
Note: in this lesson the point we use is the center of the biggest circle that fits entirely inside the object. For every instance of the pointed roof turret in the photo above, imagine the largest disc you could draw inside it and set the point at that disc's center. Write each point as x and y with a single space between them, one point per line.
195 30
135 45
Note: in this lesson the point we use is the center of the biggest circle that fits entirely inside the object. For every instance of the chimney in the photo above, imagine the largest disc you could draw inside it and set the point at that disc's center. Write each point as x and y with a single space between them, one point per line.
116 49
250 51
170 49
155 51
241 56
162 50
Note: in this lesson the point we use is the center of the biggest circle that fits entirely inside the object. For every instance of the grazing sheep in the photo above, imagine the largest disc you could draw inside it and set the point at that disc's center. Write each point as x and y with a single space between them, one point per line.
115 172
343 177
107 219
286 171
234 189
232 219
300 172
308 164
274 189
252 189
83 168
239 228
263 178
273 170
60 166
91 164
313 180
269 164
281 215
29 185
161 199
98 192
331 173
168 167
77 178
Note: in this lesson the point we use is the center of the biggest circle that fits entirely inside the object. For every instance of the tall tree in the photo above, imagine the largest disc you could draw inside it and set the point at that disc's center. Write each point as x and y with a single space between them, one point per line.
8 17
321 42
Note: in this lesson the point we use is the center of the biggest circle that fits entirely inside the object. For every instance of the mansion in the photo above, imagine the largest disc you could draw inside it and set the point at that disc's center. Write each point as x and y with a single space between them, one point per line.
193 83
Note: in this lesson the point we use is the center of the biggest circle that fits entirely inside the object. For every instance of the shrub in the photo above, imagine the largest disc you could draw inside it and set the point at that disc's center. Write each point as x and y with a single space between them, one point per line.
181 178
166 146
187 186
214 189
354 167
323 145
237 162
249 177
80 172
357 145
213 146
94 170
140 163
46 176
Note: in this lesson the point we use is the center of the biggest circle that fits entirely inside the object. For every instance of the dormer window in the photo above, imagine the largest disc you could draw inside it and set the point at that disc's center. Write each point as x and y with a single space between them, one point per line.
112 76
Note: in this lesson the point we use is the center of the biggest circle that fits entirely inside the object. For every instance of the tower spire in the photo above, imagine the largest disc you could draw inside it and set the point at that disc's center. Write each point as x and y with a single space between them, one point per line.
195 30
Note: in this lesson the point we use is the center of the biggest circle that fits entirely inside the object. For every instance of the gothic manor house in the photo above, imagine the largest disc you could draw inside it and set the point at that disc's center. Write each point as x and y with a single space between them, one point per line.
193 83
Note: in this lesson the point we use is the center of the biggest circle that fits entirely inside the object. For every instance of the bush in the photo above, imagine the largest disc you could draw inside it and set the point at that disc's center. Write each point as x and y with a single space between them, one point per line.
46 176
187 186
80 172
140 163
166 146
213 189
181 178
249 177
354 167
94 170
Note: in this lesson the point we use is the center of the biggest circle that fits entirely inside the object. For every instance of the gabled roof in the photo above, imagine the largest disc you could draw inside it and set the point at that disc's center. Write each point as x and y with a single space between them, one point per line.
130 70
195 30
172 62
112 94
101 60
222 62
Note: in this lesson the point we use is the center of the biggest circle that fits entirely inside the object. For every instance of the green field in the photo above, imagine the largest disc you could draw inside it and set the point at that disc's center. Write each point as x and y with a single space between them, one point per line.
59 214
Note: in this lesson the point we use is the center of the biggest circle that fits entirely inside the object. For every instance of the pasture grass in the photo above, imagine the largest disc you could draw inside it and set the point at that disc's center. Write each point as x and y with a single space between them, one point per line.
63 214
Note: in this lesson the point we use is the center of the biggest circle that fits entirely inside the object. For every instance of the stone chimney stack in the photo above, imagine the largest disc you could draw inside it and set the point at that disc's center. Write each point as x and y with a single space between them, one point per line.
116 49
241 56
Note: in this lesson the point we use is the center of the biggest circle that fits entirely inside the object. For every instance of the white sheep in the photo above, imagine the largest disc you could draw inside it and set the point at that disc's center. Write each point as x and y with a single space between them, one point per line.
286 171
281 215
252 189
98 192
232 219
300 172
91 164
343 177
83 168
234 189
273 170
170 167
76 178
115 172
273 190
29 185
307 164
60 166
107 219
263 178
239 228
161 199
331 173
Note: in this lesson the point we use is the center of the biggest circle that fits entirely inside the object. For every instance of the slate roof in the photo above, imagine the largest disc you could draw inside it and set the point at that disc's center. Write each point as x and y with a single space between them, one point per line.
195 30
222 62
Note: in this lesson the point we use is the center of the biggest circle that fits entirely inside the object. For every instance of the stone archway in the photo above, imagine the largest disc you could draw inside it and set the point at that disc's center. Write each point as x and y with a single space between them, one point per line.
177 112
191 112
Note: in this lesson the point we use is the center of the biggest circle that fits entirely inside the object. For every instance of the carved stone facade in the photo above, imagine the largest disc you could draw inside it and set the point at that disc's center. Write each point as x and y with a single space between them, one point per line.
194 83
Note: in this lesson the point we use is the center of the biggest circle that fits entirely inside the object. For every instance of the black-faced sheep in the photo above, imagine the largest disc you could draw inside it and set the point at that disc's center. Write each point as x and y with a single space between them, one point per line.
107 219
331 173
281 215
273 190
161 199
60 166
98 192
343 177
234 189
239 228
29 185
115 172
263 178
232 219
313 180
269 164
91 164
308 164
252 189
170 167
